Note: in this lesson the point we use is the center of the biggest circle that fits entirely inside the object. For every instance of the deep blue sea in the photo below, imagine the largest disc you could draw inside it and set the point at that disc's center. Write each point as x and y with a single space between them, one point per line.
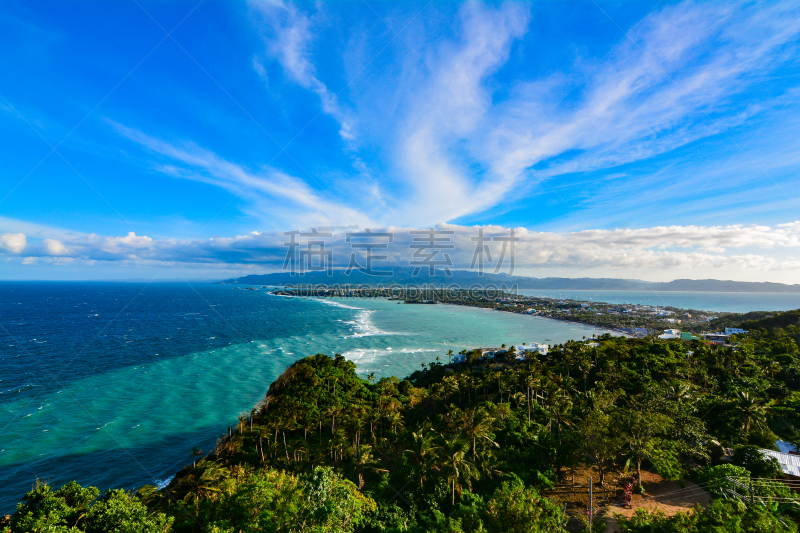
112 384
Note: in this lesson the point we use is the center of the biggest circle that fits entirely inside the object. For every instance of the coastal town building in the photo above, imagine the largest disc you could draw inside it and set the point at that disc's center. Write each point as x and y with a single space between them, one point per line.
716 338
534 347
790 462
490 353
734 331
670 334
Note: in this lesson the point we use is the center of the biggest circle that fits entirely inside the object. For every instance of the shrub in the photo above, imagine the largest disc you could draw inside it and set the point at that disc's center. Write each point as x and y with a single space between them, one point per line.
759 465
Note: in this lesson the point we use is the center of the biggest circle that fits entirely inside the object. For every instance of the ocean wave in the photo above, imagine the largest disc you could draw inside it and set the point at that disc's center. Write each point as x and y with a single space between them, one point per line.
161 483
20 389
367 355
363 326
335 303
362 323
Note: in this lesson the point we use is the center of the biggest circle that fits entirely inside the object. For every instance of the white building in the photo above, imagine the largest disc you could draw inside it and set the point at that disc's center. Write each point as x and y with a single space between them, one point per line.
734 331
533 347
670 334
488 353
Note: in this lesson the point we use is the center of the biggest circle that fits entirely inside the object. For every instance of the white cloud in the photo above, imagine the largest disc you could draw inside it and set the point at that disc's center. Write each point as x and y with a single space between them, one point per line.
288 35
54 247
682 74
450 109
702 250
13 242
448 146
306 206
670 84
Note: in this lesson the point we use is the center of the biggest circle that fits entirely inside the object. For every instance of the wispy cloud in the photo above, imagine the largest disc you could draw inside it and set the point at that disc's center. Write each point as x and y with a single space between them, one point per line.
672 82
450 108
682 74
305 206
288 35
450 145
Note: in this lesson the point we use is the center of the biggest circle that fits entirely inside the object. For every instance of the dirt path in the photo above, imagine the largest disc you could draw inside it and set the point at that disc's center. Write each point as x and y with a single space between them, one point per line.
668 497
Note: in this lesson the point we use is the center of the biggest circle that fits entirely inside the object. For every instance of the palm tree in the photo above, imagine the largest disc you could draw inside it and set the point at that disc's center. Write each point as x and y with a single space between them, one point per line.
357 424
562 408
333 411
468 384
487 462
531 383
436 392
205 484
477 424
196 452
682 393
751 411
450 385
455 465
365 460
299 450
338 445
415 394
423 448
585 366
262 433
395 420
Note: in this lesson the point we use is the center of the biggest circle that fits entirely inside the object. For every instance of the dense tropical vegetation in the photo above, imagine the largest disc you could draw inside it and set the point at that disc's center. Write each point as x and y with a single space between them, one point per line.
478 446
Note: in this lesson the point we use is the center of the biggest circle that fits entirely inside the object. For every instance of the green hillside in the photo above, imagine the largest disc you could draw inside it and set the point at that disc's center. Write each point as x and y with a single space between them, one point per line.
480 445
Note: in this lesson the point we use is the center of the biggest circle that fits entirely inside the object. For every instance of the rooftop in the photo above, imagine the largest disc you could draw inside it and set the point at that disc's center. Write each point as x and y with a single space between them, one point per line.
790 464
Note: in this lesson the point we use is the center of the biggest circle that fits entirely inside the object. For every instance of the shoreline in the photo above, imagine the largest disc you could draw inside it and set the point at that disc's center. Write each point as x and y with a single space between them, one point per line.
623 319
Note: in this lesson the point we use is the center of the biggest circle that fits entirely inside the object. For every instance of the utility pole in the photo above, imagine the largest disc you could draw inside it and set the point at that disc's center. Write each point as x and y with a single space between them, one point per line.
590 505
752 498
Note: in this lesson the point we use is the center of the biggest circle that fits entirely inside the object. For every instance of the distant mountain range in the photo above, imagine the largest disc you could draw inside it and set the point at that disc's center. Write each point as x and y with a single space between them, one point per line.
465 278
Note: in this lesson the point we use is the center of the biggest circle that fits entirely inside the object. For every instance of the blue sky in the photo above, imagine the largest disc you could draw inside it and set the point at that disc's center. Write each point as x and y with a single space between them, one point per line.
651 140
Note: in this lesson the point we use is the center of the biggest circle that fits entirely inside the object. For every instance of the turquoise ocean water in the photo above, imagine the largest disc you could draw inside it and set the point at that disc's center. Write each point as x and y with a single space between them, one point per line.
113 384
